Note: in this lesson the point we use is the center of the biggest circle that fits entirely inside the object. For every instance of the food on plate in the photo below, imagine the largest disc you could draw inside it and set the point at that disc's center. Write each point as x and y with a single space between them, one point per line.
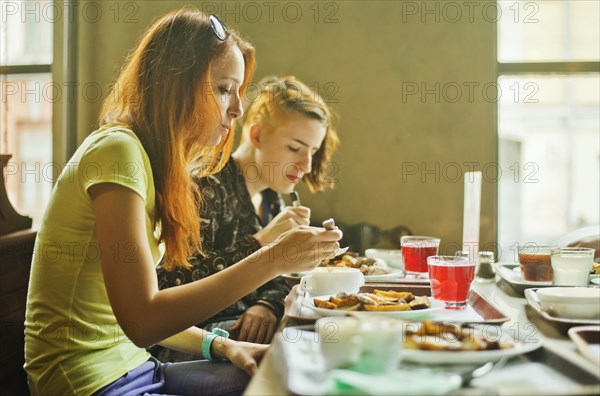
378 301
435 336
595 269
366 265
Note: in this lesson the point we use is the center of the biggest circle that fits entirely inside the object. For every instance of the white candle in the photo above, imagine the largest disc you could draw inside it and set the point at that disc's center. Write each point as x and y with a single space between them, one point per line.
471 212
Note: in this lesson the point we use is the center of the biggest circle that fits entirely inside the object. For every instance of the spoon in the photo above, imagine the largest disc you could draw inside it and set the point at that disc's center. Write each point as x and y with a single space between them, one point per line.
481 371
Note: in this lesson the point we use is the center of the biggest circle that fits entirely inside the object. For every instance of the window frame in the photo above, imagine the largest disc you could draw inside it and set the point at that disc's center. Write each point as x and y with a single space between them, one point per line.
539 68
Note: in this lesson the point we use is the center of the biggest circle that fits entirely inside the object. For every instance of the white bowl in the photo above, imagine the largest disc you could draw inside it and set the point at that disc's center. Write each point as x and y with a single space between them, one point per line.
571 302
392 257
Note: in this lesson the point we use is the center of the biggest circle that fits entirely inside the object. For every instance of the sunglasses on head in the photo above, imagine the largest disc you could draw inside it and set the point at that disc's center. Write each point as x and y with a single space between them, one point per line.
218 27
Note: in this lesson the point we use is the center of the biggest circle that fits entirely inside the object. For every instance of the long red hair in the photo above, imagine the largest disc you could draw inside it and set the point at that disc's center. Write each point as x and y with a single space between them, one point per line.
164 94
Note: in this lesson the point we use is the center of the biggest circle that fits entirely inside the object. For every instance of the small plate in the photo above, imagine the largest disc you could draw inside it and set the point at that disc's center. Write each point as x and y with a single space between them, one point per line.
418 314
562 323
392 257
392 274
520 346
587 339
511 273
515 275
570 302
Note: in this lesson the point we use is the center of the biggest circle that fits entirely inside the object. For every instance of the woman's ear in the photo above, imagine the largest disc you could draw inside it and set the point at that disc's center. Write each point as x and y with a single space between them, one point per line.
255 135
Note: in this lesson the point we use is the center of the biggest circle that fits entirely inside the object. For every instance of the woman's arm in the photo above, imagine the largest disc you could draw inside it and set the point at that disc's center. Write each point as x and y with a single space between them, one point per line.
148 315
244 355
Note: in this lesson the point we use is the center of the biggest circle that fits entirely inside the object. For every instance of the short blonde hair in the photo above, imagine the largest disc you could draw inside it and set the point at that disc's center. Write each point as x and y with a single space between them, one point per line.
279 97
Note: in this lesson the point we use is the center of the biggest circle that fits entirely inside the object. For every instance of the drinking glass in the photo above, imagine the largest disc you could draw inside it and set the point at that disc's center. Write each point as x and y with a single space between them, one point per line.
451 279
535 262
572 266
415 251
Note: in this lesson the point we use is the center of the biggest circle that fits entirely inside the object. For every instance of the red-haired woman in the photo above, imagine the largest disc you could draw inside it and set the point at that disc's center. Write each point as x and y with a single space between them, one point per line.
288 135
93 302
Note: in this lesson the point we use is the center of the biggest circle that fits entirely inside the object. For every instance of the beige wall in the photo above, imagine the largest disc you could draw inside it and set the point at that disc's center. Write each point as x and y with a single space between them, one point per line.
368 54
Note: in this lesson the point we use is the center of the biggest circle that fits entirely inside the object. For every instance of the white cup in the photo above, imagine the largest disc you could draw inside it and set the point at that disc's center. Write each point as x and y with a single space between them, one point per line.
572 266
330 280
339 341
381 345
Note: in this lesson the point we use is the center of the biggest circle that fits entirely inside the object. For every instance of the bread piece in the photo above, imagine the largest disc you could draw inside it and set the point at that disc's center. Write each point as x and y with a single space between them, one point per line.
420 303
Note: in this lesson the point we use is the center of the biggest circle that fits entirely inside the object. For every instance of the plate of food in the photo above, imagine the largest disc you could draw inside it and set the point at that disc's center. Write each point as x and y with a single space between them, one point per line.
374 269
401 305
369 266
595 274
392 257
442 343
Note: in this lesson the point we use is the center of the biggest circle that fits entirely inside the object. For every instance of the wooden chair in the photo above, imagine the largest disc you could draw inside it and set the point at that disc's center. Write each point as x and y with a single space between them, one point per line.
16 248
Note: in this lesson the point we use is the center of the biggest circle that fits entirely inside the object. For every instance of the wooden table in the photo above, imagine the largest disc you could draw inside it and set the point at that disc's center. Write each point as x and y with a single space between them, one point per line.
563 369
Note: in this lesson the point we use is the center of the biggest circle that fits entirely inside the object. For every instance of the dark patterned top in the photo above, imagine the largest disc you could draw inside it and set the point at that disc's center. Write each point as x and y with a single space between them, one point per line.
228 222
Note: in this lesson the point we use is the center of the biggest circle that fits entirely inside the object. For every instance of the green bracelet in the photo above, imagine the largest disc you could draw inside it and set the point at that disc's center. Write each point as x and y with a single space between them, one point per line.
208 340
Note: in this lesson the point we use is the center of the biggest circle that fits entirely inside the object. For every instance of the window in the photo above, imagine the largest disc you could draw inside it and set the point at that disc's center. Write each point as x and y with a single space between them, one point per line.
548 120
27 96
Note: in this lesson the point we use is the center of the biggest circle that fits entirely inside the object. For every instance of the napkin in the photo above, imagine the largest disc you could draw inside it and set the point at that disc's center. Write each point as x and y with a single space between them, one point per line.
400 382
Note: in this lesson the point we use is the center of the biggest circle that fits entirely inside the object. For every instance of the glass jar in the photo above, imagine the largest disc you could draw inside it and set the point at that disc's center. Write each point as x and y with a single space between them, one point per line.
485 271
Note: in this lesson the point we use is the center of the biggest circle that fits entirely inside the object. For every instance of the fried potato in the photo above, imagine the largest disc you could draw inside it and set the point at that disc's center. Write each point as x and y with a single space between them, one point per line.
374 299
347 301
406 296
435 329
324 304
434 343
351 307
435 336
386 308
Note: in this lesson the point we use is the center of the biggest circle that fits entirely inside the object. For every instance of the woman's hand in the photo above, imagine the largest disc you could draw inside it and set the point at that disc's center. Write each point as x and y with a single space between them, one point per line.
288 218
257 324
303 248
244 355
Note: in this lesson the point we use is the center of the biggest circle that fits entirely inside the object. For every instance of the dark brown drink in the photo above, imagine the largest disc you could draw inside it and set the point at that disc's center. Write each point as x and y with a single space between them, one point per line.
536 267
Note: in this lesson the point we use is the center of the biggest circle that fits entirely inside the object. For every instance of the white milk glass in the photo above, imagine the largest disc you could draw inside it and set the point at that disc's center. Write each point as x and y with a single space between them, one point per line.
572 266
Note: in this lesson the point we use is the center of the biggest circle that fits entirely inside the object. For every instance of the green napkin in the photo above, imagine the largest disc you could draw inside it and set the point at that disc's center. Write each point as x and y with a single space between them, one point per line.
400 382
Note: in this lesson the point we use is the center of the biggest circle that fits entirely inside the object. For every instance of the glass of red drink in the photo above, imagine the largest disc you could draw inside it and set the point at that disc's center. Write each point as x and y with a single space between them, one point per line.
451 279
415 250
